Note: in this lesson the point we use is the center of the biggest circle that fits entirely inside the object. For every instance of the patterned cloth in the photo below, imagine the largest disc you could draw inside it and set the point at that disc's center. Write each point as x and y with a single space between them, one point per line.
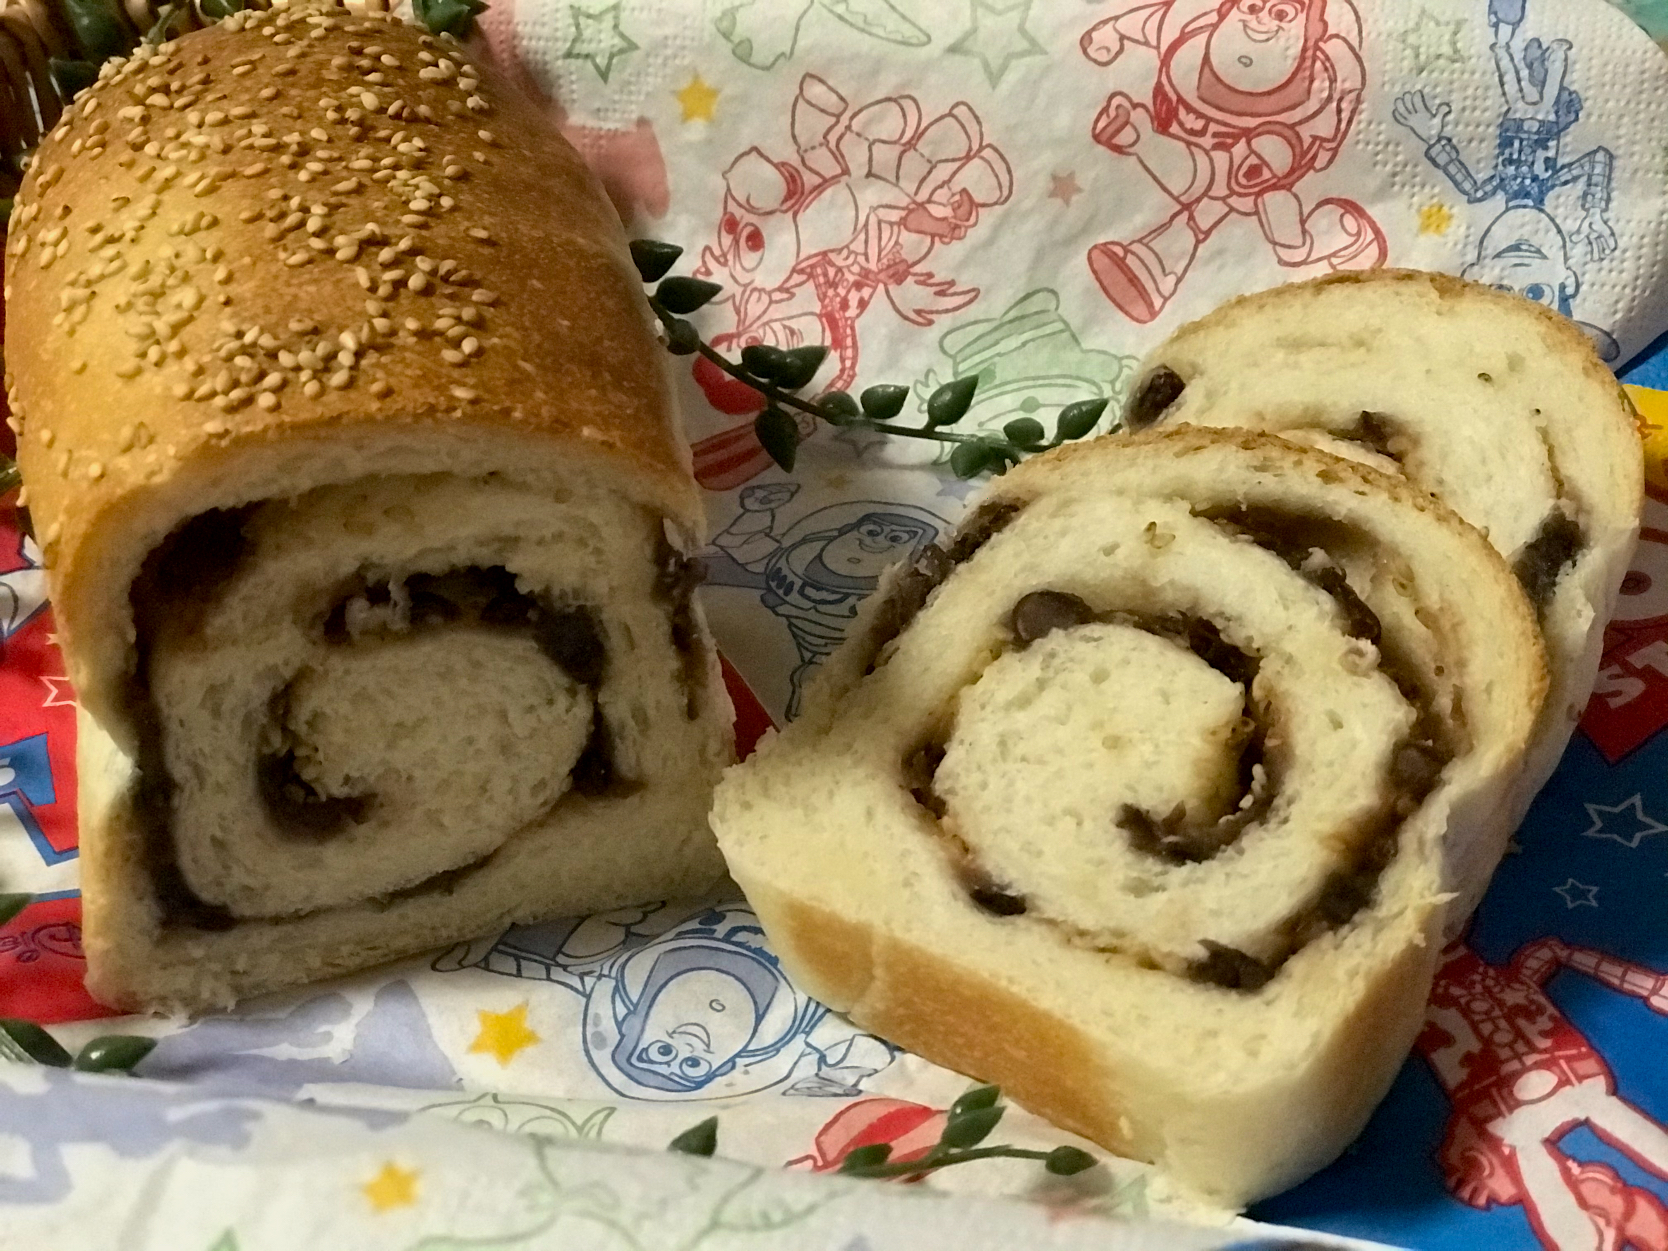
1034 192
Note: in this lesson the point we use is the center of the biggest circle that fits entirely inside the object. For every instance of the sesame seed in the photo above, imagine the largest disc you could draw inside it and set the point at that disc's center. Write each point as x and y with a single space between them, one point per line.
341 379
95 471
214 427
452 356
312 390
383 325
464 393
418 282
267 400
364 276
484 297
309 359
348 341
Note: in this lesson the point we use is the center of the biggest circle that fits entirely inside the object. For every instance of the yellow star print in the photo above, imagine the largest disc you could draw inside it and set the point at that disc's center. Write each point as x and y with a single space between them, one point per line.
1435 219
393 1187
698 100
503 1034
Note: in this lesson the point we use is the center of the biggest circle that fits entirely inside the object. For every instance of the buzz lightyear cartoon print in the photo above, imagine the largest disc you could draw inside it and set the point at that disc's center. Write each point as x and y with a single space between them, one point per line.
1531 247
1520 1077
813 573
1252 98
684 1004
806 243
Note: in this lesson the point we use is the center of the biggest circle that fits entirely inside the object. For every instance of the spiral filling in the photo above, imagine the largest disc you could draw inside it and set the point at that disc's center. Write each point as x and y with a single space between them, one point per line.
396 730
1193 739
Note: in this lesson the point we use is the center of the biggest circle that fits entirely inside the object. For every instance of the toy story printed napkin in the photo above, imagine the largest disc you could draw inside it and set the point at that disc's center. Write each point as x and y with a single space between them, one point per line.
1033 192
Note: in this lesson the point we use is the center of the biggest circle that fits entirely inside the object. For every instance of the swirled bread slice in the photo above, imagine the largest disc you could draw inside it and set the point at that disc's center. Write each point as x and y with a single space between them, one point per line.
1496 405
365 509
1142 797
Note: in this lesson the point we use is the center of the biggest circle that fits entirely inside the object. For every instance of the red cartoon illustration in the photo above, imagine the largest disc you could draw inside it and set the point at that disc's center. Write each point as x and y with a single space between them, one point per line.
805 244
911 1129
1630 697
1521 1076
1252 97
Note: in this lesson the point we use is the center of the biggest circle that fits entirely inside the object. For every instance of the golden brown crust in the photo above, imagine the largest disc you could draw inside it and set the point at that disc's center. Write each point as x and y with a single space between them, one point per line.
179 205
952 1016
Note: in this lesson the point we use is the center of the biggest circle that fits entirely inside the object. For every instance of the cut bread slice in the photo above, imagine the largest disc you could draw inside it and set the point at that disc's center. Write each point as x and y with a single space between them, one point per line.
1142 797
1496 405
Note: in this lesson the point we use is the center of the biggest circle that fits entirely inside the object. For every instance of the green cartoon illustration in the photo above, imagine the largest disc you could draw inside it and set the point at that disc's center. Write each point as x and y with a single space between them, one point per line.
526 1116
1028 360
578 1199
765 33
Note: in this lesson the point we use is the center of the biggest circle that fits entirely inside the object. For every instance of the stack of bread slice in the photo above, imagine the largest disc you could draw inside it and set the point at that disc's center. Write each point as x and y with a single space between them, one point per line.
1152 793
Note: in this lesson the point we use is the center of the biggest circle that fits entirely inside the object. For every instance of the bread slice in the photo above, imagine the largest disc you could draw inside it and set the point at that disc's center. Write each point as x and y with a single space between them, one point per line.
1496 405
1143 796
365 508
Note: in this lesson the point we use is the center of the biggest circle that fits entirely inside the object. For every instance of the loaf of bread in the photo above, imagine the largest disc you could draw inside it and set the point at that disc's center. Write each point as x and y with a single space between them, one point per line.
1498 406
1142 796
345 436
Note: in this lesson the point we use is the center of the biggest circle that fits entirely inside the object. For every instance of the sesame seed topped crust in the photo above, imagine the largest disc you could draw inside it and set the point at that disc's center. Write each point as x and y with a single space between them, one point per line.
312 217
296 223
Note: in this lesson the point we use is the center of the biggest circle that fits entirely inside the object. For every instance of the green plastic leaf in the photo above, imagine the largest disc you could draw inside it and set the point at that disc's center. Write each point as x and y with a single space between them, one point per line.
681 338
681 295
113 1053
99 29
799 366
763 361
976 1099
969 460
166 16
214 10
860 1158
779 434
1077 420
884 402
71 78
34 1042
654 259
949 404
448 17
11 905
971 1128
699 1139
1064 1161
838 408
1025 431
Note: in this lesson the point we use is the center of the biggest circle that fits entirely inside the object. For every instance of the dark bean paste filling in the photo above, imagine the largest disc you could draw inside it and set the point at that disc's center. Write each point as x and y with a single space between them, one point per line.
1377 433
910 591
477 597
676 577
178 584
178 581
1416 767
1556 545
1173 837
1153 398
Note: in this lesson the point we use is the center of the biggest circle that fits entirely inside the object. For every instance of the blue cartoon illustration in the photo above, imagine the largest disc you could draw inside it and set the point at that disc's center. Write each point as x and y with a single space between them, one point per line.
315 1041
22 590
815 572
49 1110
1526 249
683 1005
